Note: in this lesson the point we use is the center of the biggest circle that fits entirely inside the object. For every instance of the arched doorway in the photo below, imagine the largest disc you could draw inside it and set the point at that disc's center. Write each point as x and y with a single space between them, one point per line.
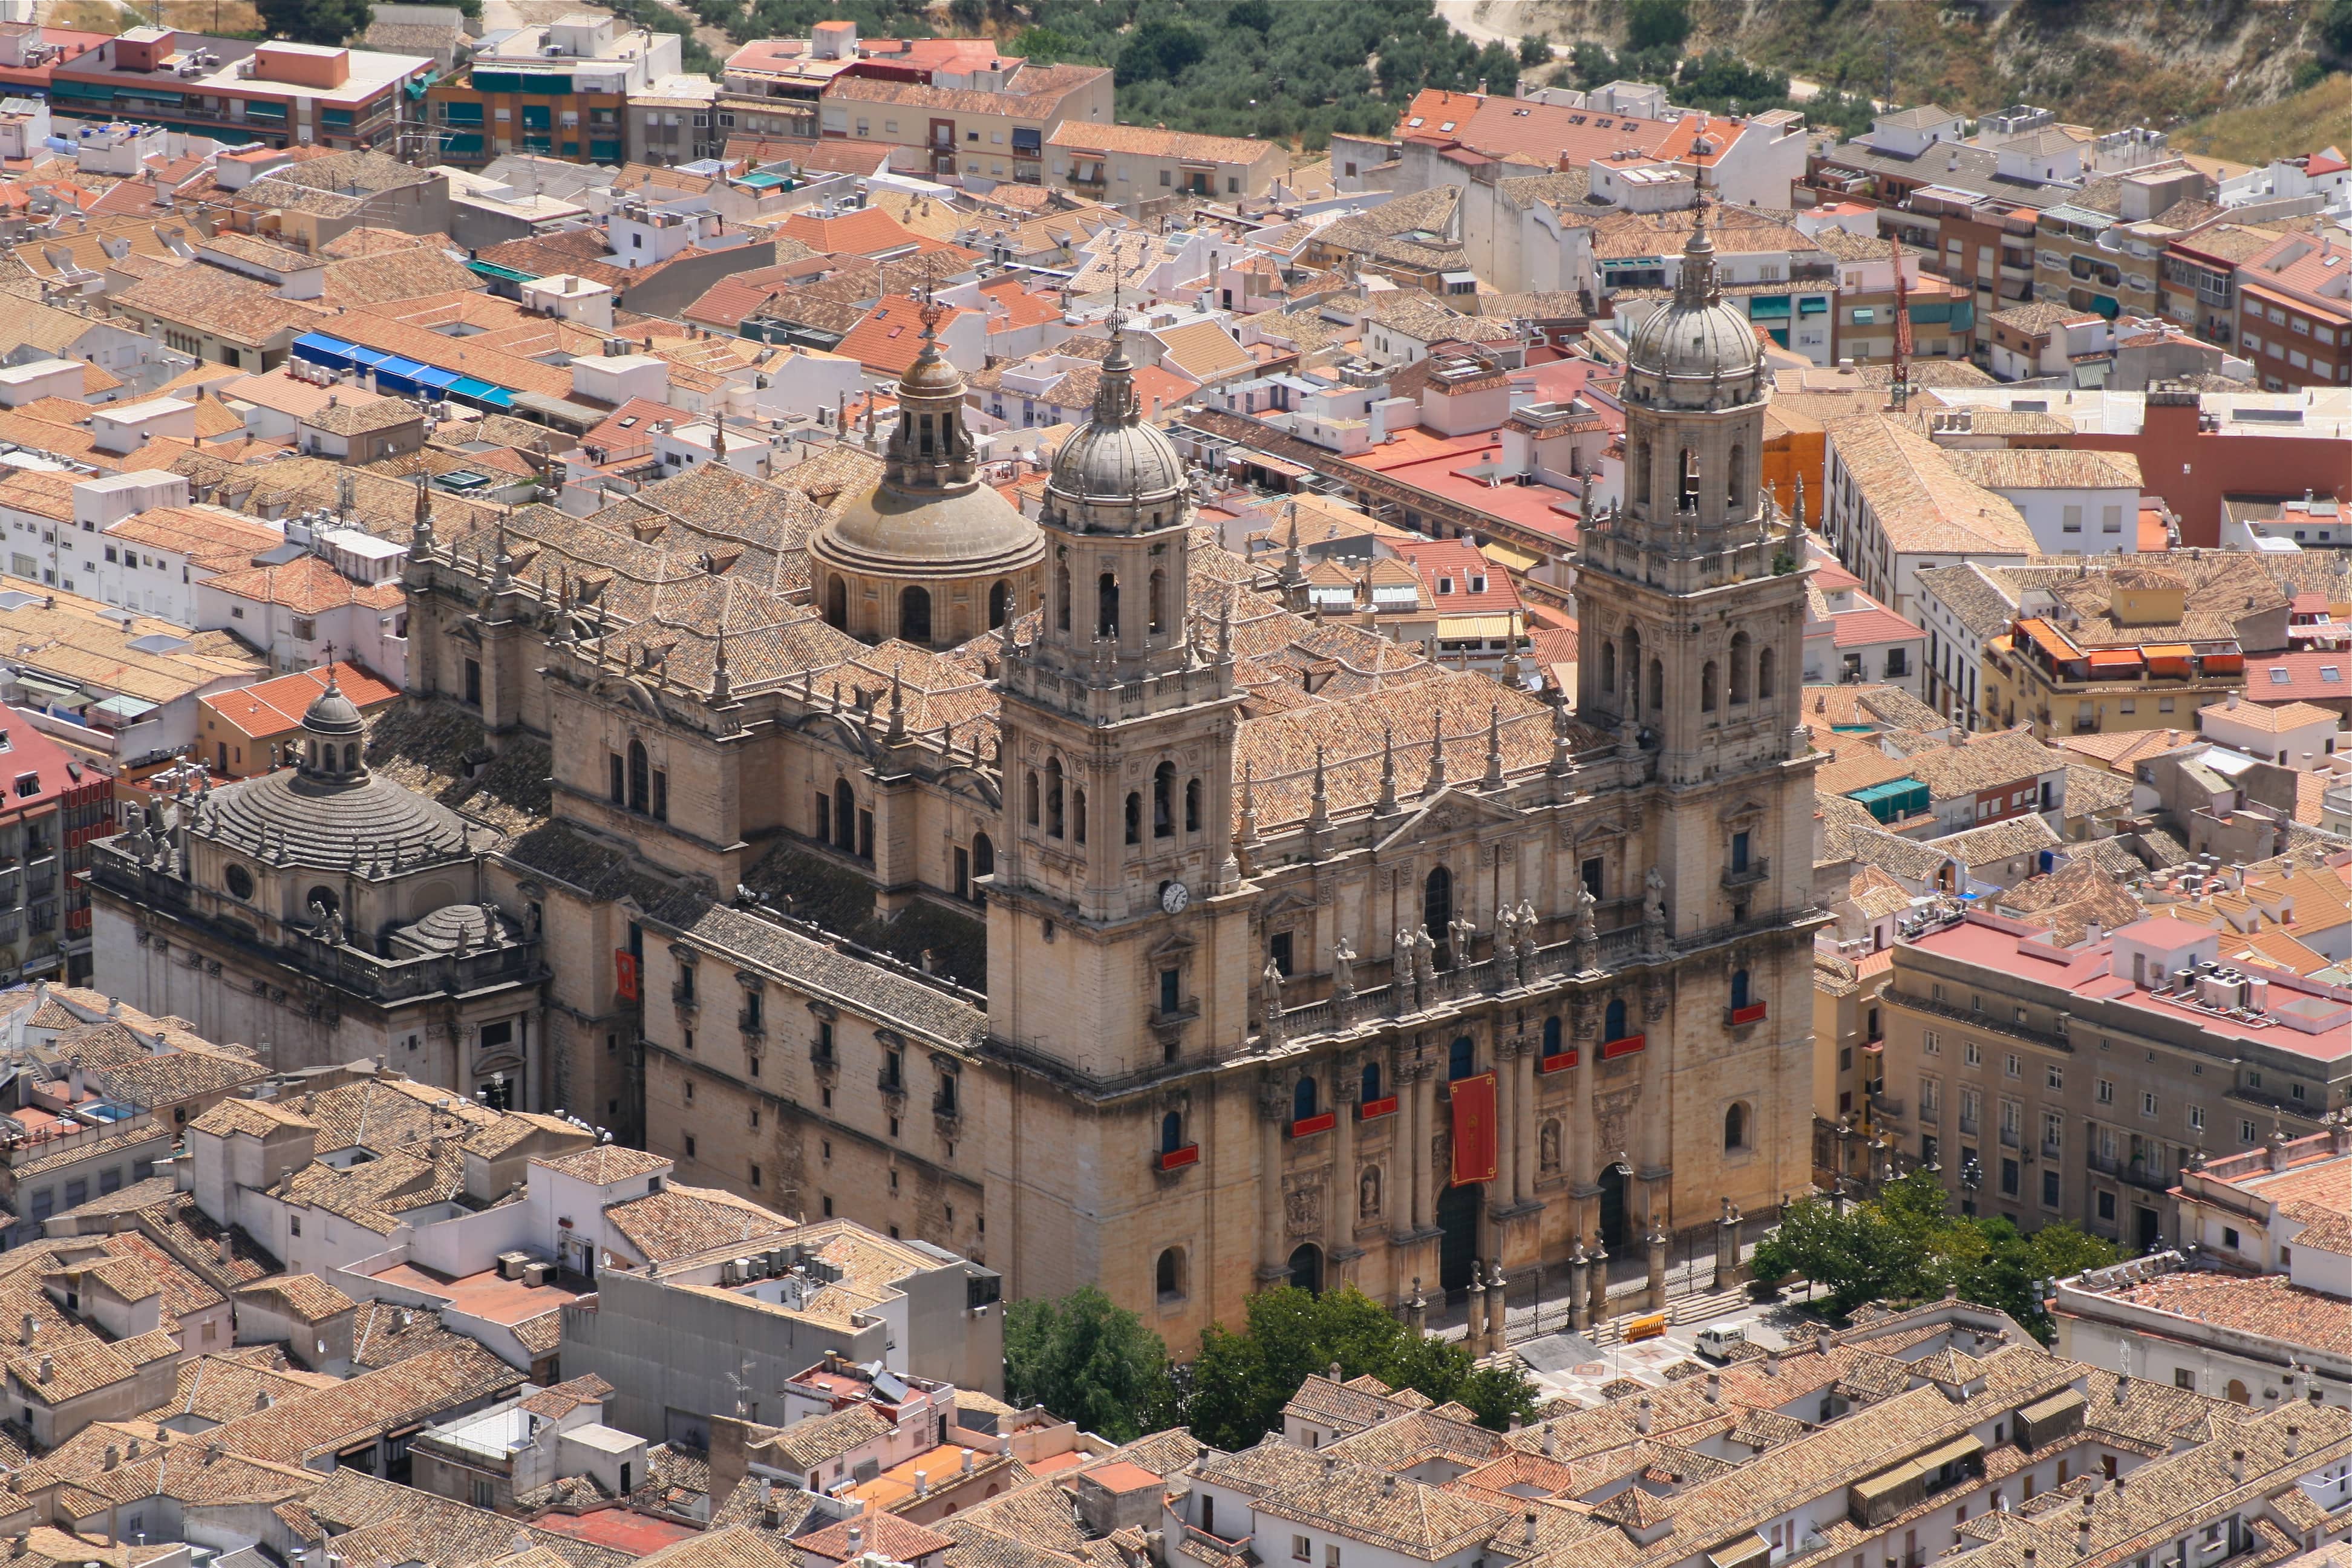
915 614
1458 1246
1306 1269
1613 1209
836 604
1437 912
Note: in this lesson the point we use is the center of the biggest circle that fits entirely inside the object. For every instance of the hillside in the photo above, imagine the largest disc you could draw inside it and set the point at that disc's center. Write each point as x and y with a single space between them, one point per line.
2161 63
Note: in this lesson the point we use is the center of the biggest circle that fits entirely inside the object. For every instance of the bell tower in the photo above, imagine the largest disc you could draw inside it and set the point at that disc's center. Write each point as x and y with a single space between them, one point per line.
1116 893
1692 597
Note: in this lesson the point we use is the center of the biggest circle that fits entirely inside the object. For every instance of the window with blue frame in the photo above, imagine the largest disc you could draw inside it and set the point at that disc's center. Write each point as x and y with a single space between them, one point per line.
537 117
456 113
1171 1132
1372 1083
1461 1058
1551 1036
604 152
1613 1024
1302 1099
341 117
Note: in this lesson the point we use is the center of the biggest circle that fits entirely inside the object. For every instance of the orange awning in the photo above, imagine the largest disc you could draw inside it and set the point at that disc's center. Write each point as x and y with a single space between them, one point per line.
2050 639
2225 663
2168 658
2115 659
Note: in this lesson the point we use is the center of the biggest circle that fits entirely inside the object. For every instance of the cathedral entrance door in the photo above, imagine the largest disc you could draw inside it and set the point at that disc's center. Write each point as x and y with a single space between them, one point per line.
1613 1209
1306 1269
1457 1248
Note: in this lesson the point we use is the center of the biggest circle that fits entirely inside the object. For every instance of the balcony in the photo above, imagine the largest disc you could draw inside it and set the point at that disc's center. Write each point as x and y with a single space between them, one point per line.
750 1024
1750 875
890 1084
682 993
1176 1159
2140 1172
1753 1013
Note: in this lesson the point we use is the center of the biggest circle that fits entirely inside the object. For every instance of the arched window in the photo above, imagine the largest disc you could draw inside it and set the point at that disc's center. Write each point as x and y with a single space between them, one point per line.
1706 687
1191 805
1302 1099
983 856
1029 811
1054 797
1657 687
836 604
1739 988
1078 816
1171 1132
1437 904
1171 1274
322 896
1062 596
1687 468
999 604
1735 1127
1613 1020
1609 668
1157 601
1642 472
1106 605
1371 1082
1163 801
1461 1058
1134 817
915 614
1734 479
1551 1035
352 757
1738 668
1764 675
641 776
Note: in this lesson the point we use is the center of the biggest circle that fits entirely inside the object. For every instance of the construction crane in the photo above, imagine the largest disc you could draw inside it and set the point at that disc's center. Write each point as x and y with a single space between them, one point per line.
1899 387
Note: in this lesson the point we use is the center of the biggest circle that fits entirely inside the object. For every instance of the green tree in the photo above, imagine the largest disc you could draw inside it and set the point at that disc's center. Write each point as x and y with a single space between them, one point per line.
1240 1381
1656 24
1592 63
1090 1360
1535 49
1046 45
315 21
1158 50
1498 67
1255 15
2335 29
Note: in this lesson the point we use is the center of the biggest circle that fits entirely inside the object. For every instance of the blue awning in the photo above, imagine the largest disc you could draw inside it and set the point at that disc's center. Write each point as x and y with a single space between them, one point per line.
400 374
437 379
320 349
473 390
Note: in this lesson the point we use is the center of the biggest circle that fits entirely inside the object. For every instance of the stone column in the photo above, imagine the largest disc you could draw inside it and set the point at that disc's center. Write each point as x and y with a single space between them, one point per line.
1507 1130
1416 1310
1424 1134
1525 1098
1597 1259
1579 1310
1657 1287
1272 1103
1727 1248
1495 1338
1339 1237
1474 1313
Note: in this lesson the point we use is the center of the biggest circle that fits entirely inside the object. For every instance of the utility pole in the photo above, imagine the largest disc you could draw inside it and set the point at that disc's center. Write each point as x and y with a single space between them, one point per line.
1899 389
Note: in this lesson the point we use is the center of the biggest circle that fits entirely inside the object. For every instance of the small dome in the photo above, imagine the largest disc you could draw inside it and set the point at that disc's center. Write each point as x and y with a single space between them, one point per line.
331 713
889 529
1699 347
319 822
1116 457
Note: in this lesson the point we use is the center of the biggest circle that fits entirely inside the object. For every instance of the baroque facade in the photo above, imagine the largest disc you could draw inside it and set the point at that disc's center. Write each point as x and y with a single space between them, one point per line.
1130 925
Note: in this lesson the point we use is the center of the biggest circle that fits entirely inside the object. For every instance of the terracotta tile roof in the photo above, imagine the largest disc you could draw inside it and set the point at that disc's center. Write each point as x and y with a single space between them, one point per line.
606 1164
308 586
1921 502
222 303
304 1296
891 334
1158 142
2271 718
274 707
679 1222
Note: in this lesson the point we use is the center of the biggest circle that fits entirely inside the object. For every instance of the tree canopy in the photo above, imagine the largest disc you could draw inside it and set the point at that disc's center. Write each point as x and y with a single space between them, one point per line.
1095 1362
1908 1243
1090 1360
315 21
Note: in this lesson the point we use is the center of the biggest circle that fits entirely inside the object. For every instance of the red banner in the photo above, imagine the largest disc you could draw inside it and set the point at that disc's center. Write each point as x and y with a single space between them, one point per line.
1473 1129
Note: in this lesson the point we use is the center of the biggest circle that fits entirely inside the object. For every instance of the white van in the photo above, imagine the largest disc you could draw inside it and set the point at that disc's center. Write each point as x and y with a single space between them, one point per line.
1718 1343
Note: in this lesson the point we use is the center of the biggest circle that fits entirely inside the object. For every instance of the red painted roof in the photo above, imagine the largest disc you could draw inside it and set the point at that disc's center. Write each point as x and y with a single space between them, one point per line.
891 335
2308 676
1457 564
622 1529
274 707
25 753
1868 628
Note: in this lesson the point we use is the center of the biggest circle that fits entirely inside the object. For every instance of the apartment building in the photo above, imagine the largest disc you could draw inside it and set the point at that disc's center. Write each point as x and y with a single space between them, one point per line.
1943 311
1981 240
1129 166
55 803
2075 1080
1894 505
2075 503
2089 252
237 91
559 91
2252 1326
989 121
2295 311
2197 287
2137 647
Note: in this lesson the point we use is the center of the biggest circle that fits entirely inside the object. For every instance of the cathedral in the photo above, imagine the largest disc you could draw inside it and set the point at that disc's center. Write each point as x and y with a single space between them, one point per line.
1062 892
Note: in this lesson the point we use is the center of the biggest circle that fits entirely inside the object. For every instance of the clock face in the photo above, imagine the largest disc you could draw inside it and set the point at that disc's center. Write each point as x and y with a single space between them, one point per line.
1174 897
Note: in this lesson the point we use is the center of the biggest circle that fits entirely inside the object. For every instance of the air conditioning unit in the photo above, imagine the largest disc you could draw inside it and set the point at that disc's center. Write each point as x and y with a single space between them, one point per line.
537 1272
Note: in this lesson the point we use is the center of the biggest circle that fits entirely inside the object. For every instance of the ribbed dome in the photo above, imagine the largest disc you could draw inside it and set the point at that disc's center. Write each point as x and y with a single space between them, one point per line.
1117 456
930 516
333 713
470 926
1699 349
324 821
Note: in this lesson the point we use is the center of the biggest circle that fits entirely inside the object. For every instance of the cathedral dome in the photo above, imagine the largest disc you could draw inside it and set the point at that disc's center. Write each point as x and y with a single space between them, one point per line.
1699 348
929 516
1116 455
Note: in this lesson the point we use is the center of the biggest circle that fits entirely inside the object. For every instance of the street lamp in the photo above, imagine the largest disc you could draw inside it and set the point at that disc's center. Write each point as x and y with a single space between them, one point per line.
1971 1178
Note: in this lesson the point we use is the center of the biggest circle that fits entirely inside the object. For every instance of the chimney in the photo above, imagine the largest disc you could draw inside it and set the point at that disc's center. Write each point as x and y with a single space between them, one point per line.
1772 1360
856 1539
967 1462
1530 1534
2236 1466
1642 1415
1822 1340
113 1456
922 1483
26 1336
2293 1440
48 1368
1715 1388
1387 1482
